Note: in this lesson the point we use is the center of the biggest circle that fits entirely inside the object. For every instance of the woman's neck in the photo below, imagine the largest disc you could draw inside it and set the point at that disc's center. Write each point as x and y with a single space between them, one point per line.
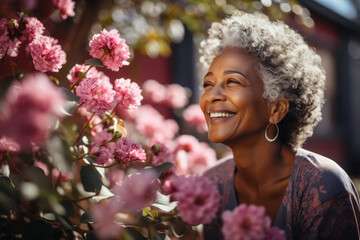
261 165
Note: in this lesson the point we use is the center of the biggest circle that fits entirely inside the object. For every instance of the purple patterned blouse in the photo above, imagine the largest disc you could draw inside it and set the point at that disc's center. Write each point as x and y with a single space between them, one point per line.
320 200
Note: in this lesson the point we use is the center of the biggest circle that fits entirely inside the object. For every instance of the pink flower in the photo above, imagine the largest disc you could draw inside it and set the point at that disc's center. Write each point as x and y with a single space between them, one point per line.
33 29
66 8
150 123
128 151
153 91
176 96
128 94
198 198
192 156
110 48
8 46
96 94
76 72
31 108
9 43
46 54
115 176
246 222
161 157
8 145
195 117
185 142
104 153
104 216
275 233
138 190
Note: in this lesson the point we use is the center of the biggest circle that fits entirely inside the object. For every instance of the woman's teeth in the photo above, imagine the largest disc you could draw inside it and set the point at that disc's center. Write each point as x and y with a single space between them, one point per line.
215 115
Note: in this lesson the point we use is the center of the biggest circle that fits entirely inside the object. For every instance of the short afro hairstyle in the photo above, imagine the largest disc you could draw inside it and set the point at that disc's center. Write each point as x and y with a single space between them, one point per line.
289 68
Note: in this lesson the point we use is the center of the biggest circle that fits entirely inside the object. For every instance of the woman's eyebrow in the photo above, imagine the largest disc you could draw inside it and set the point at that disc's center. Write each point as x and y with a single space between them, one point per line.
208 74
236 72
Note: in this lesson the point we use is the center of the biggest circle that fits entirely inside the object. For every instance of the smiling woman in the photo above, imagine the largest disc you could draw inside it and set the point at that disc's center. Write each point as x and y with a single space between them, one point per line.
263 94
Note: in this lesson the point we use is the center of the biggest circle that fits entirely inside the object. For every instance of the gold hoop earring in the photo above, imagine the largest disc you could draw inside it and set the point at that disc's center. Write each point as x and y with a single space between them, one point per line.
276 135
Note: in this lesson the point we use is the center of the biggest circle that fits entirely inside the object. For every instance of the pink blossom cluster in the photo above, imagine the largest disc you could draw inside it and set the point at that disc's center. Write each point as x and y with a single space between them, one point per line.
172 95
96 94
194 116
66 8
161 155
138 190
79 69
192 156
124 150
8 145
151 124
104 214
115 176
104 153
128 94
110 48
17 31
28 115
47 54
128 151
247 222
198 198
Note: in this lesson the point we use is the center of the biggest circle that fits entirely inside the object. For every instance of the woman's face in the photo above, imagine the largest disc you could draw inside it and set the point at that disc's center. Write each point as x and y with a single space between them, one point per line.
232 100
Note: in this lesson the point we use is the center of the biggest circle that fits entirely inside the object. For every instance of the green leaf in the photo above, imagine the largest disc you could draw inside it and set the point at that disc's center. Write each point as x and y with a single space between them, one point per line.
60 151
155 235
69 95
90 179
71 103
65 222
161 168
9 196
94 62
91 236
85 218
178 228
69 208
37 176
89 159
131 233
38 230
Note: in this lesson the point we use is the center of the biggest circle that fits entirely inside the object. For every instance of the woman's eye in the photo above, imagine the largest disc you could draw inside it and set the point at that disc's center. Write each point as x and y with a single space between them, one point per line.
232 81
206 84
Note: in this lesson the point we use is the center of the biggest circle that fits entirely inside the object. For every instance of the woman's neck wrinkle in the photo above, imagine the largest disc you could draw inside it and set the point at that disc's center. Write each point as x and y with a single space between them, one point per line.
256 165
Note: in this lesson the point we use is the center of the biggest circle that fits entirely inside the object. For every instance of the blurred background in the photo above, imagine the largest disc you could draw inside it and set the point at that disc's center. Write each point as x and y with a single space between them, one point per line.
164 36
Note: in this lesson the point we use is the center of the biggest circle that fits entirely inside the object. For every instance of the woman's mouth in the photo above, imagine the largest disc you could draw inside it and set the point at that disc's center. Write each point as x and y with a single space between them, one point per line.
220 115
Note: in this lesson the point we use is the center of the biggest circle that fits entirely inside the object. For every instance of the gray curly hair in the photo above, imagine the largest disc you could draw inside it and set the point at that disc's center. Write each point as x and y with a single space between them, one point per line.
289 68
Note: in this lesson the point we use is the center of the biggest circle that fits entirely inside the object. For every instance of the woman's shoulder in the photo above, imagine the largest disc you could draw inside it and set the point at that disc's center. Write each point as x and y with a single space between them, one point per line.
315 170
222 171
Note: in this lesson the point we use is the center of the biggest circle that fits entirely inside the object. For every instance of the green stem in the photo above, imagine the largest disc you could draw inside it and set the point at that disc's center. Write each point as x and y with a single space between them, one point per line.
3 59
80 78
83 130
98 166
82 75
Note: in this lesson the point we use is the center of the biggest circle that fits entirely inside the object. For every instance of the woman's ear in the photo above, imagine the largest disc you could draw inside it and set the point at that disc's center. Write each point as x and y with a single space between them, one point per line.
278 109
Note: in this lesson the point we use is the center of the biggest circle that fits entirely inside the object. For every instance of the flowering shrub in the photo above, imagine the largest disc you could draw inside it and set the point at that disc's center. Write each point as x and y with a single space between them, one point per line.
249 222
88 161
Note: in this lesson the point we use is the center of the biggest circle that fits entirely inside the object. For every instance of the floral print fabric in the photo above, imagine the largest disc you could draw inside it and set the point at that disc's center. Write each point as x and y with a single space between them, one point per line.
320 201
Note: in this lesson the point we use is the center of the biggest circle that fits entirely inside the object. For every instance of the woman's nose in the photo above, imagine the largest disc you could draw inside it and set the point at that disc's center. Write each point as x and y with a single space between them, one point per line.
215 94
